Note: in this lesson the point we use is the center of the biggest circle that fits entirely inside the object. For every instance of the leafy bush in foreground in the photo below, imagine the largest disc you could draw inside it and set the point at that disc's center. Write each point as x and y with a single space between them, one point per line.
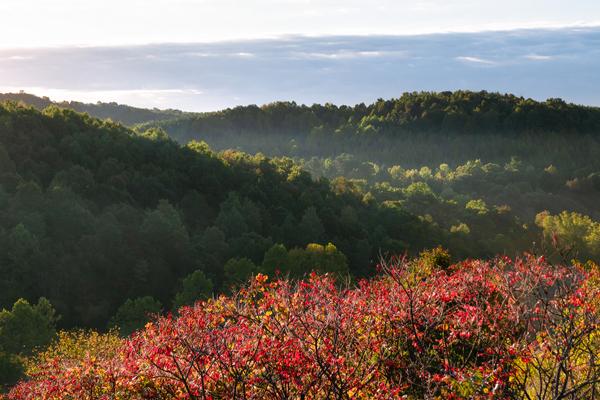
502 329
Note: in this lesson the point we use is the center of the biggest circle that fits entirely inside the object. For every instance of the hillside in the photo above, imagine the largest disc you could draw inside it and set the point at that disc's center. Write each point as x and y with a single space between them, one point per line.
117 112
414 131
458 150
438 112
91 205
93 213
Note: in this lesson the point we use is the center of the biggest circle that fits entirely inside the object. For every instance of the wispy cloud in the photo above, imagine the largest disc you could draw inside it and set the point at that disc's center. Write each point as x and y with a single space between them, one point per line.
339 69
539 57
242 54
18 57
347 54
475 60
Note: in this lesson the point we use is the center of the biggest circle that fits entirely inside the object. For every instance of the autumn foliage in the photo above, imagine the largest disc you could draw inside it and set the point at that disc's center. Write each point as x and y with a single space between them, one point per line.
479 330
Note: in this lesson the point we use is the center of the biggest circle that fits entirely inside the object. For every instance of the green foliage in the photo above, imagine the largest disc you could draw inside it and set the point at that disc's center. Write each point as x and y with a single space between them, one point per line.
435 258
24 329
92 213
296 262
110 214
11 370
134 314
572 232
275 260
478 206
27 327
310 226
237 271
196 286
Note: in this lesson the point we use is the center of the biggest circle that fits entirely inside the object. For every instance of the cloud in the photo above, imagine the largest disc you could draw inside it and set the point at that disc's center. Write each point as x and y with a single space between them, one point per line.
18 57
346 54
475 60
539 57
337 69
242 54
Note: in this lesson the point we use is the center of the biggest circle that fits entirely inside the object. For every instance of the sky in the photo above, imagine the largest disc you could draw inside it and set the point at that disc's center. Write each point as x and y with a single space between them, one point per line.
121 22
203 55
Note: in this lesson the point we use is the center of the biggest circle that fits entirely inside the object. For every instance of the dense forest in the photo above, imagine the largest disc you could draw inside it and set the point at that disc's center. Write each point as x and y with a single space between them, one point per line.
441 156
101 224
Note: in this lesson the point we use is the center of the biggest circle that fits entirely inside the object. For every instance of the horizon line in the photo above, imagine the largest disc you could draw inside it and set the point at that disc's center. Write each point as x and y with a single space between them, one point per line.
299 103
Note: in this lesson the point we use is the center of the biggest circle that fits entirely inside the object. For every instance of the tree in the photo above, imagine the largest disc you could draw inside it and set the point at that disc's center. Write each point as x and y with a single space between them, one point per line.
571 231
477 206
196 286
310 228
275 259
316 257
163 228
11 370
27 327
237 271
231 219
22 244
212 250
134 314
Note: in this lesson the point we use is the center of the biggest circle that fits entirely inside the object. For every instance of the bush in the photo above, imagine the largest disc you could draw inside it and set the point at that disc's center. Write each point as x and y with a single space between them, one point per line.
475 330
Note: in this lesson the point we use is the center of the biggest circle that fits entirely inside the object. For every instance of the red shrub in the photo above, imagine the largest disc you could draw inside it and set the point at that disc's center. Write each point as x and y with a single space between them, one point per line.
472 330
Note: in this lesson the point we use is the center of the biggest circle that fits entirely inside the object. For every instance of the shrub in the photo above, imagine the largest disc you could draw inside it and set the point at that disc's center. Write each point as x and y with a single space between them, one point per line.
474 330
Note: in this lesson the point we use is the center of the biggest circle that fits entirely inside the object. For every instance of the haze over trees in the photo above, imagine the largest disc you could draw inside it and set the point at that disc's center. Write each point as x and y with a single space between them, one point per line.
117 112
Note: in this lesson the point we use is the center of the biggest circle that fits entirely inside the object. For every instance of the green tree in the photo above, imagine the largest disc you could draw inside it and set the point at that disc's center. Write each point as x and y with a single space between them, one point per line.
212 250
231 218
164 227
571 231
237 271
478 206
27 327
134 314
11 370
22 244
316 257
311 228
196 286
275 259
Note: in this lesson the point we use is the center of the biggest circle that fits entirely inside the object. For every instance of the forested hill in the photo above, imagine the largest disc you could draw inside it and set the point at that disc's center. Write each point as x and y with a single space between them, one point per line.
444 112
447 112
92 214
117 112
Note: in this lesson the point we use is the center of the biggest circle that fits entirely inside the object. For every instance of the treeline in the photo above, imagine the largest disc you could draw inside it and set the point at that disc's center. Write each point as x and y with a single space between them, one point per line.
444 112
416 129
124 114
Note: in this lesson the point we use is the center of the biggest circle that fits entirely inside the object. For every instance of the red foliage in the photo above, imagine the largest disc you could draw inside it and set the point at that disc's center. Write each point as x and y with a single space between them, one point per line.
461 332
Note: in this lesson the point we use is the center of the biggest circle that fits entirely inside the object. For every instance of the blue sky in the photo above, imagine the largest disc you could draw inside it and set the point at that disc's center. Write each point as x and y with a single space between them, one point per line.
209 54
